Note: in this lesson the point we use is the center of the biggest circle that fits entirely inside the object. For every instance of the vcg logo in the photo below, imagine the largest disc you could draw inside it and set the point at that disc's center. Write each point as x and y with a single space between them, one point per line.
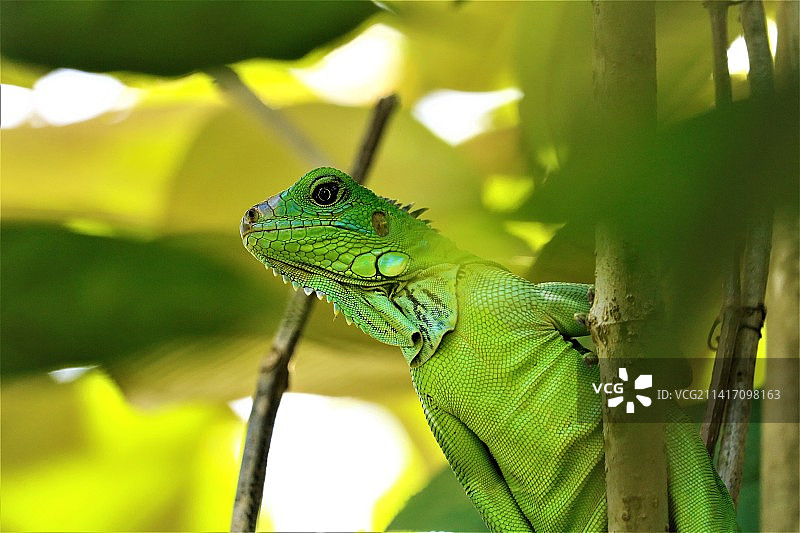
615 392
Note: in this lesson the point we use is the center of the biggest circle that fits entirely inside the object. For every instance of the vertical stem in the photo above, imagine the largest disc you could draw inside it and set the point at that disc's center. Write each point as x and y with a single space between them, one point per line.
625 62
737 414
729 314
720 378
621 319
780 475
718 14
755 269
754 24
780 465
787 53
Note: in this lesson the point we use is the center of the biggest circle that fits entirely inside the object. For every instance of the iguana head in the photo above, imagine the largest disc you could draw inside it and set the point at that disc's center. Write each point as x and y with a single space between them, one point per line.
368 255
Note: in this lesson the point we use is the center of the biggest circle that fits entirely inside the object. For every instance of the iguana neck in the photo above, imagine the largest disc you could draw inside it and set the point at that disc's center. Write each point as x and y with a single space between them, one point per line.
422 308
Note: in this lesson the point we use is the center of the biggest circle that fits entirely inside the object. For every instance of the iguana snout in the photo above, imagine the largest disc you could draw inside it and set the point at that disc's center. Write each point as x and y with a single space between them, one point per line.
258 212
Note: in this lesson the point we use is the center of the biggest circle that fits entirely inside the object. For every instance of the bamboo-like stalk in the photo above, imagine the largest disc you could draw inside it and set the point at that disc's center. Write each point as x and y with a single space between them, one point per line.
733 438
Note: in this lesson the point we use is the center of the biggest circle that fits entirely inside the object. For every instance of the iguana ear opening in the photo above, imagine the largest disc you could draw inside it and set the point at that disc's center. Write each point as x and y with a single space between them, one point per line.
429 302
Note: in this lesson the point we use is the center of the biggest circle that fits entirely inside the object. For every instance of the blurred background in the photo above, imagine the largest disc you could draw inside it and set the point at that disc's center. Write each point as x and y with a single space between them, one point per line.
133 320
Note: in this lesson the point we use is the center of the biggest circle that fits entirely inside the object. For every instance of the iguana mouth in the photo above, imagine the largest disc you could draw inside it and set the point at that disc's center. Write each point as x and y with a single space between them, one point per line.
289 273
271 225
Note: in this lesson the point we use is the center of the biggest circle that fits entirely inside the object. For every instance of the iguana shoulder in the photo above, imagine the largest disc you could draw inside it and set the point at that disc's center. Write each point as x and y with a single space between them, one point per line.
507 377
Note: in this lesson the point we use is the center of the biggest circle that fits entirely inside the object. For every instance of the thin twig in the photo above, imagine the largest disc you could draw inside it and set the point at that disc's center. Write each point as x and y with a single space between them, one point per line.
227 80
737 413
718 15
729 314
755 269
369 144
730 318
754 26
273 379
273 376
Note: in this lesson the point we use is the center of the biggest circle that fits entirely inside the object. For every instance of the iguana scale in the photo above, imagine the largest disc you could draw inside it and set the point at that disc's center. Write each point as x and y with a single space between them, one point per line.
489 352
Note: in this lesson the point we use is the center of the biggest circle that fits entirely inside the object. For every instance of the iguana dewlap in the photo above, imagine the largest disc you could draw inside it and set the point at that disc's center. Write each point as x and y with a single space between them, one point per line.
489 353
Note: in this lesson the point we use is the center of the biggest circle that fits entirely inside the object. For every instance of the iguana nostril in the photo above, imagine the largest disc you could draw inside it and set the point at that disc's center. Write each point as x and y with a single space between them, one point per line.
251 215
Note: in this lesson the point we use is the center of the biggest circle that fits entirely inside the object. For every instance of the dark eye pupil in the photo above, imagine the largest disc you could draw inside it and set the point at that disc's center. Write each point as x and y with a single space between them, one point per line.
325 194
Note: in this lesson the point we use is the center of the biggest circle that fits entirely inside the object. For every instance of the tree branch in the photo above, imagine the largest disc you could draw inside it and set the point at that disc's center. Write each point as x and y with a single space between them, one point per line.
729 314
273 380
754 24
758 243
718 15
621 319
273 376
737 413
720 378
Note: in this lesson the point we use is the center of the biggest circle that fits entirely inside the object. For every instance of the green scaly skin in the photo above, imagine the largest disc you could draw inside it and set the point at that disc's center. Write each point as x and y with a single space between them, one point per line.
489 352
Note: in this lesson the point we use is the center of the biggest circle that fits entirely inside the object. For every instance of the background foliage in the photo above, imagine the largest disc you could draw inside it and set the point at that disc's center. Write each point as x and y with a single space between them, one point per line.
120 246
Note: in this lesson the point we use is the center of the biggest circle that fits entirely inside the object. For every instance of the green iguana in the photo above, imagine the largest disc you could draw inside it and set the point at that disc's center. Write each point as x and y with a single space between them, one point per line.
490 356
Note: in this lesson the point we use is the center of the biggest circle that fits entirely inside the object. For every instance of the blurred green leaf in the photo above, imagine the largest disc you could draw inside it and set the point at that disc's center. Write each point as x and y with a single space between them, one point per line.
76 457
176 168
441 506
170 38
103 169
553 66
695 180
460 46
71 299
687 191
554 69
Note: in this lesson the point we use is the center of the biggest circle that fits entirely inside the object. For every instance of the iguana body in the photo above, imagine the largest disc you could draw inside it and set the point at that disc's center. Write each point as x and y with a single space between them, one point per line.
489 352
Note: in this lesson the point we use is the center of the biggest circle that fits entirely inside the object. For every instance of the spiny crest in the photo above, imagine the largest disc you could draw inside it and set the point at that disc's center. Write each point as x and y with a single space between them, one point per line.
407 208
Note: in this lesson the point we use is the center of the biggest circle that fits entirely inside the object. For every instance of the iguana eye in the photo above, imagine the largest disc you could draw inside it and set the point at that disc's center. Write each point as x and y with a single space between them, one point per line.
325 193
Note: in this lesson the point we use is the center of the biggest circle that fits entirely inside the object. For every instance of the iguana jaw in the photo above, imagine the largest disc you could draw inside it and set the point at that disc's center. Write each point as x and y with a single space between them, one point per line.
355 299
299 274
330 286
